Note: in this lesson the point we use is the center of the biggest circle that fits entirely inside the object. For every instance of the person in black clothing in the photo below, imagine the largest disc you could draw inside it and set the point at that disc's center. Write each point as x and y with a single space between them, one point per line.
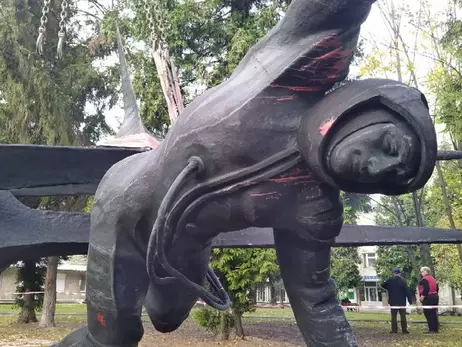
398 292
428 292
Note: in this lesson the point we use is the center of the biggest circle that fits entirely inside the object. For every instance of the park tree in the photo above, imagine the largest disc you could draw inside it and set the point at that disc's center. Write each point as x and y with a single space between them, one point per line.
345 261
417 39
44 99
29 280
397 212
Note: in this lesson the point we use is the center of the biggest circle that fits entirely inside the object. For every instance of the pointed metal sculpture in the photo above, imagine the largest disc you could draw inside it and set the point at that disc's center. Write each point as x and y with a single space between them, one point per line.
132 132
276 165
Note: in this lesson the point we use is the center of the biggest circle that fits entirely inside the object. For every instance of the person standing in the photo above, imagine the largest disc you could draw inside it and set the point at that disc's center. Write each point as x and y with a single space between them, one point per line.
398 292
428 293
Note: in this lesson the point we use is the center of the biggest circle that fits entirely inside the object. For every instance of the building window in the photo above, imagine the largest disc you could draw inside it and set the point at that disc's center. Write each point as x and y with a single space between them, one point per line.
371 294
83 283
61 282
369 259
261 294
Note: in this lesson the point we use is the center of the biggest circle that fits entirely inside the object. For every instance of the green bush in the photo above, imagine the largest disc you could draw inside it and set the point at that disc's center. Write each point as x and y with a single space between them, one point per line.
213 320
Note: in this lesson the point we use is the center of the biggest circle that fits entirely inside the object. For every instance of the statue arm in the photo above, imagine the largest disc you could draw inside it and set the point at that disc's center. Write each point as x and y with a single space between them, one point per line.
312 46
312 17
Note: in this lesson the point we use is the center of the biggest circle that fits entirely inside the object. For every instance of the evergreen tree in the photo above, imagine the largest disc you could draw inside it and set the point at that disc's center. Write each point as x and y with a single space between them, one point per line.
45 100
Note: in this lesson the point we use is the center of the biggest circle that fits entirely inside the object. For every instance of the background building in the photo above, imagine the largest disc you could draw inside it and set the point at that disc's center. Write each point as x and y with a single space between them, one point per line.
70 283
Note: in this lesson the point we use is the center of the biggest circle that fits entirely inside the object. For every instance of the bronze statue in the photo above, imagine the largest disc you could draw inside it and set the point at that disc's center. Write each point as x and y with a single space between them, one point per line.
266 148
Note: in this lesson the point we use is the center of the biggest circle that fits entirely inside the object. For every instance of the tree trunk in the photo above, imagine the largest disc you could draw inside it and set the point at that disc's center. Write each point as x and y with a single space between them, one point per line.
238 325
426 258
49 301
447 204
27 314
425 254
225 329
273 297
408 248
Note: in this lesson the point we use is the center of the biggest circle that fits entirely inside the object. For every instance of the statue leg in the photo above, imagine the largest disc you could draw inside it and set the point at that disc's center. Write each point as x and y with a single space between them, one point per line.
168 305
116 284
305 270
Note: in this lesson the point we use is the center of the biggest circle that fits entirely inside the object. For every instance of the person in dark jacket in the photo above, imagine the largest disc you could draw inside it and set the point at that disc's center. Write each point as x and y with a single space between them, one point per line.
428 293
398 292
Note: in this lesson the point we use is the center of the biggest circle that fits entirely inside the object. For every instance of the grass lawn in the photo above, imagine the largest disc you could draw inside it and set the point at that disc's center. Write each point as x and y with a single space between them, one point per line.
74 309
278 331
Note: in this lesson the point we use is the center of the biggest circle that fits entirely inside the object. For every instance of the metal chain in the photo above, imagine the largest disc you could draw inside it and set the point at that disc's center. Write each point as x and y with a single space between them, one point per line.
62 28
42 29
156 15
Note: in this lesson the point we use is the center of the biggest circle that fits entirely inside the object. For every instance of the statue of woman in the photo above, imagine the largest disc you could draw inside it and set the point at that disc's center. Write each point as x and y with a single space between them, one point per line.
270 149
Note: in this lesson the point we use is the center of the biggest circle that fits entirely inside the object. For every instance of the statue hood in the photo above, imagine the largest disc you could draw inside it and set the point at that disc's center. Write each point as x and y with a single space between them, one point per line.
319 124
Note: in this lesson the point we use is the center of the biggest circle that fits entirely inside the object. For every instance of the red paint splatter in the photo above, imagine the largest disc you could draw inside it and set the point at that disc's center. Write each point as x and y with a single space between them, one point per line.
288 179
100 319
324 128
287 98
297 88
329 41
327 55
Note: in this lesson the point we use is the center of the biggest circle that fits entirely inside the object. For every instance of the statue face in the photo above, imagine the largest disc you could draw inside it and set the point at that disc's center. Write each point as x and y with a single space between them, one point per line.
377 153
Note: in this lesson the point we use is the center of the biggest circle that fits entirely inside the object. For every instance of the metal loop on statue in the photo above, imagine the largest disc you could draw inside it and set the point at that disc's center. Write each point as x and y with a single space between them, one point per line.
62 29
219 186
59 49
42 29
40 40
156 244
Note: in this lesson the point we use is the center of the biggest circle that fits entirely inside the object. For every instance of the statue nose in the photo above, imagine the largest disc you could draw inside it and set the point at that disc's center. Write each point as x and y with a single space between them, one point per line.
381 165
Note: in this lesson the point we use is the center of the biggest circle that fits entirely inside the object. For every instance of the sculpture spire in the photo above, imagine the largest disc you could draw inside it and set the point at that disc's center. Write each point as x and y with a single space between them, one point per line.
132 123
132 132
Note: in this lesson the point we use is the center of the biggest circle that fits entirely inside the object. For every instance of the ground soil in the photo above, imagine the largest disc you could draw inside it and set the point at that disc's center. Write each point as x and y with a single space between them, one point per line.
259 334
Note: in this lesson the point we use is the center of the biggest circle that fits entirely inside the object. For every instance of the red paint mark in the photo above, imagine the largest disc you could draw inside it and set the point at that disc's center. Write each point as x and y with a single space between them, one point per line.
327 55
100 319
329 41
288 179
298 88
287 98
324 128
262 194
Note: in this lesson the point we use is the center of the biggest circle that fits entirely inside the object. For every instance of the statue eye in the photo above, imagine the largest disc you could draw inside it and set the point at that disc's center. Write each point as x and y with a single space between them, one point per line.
390 146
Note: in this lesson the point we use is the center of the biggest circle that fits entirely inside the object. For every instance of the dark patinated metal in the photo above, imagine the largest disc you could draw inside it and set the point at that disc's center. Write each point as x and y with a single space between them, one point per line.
51 170
265 150
67 233
240 156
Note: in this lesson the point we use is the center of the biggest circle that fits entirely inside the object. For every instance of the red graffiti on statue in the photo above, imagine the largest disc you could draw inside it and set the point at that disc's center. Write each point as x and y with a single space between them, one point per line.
100 319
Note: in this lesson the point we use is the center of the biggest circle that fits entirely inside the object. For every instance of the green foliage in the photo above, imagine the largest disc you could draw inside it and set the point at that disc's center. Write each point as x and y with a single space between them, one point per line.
345 260
89 205
396 211
447 265
344 267
353 205
30 277
390 257
212 320
242 270
44 100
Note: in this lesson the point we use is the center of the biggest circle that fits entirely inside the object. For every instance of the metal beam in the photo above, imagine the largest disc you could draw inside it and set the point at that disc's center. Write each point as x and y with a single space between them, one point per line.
350 236
29 170
28 234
